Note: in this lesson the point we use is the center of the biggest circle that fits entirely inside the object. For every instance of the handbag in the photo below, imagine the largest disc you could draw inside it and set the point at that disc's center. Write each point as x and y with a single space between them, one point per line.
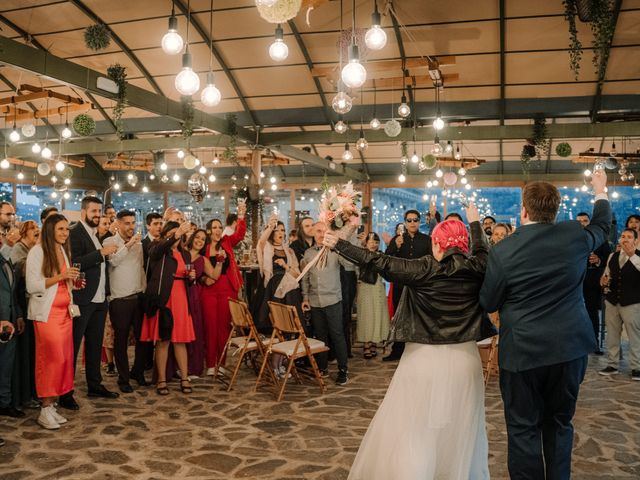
287 284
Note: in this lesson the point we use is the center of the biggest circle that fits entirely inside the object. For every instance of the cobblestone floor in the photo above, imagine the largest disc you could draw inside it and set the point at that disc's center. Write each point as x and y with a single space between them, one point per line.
213 434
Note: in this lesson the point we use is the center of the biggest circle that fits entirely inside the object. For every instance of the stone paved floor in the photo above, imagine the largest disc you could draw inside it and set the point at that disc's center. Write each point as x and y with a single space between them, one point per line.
212 434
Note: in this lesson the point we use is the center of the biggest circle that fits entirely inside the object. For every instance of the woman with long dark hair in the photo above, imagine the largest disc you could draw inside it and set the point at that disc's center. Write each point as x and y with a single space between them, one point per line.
431 423
167 319
216 293
49 284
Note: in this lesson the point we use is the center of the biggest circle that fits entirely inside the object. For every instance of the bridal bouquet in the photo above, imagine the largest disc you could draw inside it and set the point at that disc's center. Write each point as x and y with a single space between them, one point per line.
339 212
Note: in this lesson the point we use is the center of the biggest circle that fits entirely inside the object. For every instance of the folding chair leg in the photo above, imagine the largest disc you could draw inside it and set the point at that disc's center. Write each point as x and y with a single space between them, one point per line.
237 369
316 371
264 363
224 351
284 381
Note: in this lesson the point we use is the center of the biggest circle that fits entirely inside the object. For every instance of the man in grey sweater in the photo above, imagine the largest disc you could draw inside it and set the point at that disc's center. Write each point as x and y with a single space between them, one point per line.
322 295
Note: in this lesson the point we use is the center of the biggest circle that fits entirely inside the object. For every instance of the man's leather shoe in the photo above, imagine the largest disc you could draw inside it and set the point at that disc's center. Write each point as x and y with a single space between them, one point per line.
390 358
11 412
125 388
101 391
139 378
69 403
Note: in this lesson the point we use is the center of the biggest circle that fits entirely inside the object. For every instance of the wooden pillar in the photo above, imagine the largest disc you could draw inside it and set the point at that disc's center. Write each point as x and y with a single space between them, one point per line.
14 196
292 213
165 200
366 203
226 204
254 194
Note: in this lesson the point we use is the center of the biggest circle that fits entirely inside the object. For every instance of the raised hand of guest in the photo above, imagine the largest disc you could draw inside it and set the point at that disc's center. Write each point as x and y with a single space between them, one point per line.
399 240
182 229
133 240
109 250
330 239
599 181
472 213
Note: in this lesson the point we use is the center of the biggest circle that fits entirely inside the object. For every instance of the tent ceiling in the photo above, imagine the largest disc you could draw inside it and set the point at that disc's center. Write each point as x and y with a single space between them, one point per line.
284 96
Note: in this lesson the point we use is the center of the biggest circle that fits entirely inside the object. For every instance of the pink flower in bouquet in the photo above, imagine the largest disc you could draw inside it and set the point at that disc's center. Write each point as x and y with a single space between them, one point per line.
330 216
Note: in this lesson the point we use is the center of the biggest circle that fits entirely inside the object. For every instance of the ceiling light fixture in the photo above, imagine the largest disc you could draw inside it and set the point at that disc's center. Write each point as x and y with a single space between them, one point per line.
347 155
438 123
187 81
457 155
172 42
361 143
375 124
278 50
340 126
342 102
60 166
14 136
375 38
403 109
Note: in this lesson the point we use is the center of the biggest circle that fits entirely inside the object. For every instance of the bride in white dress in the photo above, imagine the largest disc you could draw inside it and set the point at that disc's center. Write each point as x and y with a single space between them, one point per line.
431 423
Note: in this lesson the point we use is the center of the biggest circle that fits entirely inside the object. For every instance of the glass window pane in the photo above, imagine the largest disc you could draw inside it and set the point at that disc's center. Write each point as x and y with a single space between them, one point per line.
31 202
200 213
6 192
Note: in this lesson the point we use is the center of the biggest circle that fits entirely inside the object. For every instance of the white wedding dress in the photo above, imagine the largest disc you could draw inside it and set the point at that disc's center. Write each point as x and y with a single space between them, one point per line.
431 423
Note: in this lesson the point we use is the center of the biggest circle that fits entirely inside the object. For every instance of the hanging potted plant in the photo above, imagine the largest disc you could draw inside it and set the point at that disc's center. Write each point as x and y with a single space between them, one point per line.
563 149
231 151
188 114
118 74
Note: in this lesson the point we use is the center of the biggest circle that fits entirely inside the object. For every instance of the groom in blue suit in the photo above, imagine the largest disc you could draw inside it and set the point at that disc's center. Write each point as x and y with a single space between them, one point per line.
534 279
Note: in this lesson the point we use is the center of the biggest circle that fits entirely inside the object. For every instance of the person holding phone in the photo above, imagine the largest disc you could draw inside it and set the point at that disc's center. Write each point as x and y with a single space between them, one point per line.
411 243
49 277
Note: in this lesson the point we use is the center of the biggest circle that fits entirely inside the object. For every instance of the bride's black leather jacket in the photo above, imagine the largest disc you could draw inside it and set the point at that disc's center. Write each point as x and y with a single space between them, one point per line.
439 304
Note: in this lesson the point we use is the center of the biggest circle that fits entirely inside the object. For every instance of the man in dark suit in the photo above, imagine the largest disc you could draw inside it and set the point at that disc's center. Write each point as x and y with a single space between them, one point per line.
92 299
154 224
410 244
534 278
591 288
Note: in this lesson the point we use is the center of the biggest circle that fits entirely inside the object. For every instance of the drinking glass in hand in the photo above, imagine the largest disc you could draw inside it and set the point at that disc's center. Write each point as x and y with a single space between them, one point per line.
79 282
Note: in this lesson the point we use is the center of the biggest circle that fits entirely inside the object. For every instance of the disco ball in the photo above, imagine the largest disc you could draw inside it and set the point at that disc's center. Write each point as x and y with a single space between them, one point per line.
197 187
392 128
28 130
44 169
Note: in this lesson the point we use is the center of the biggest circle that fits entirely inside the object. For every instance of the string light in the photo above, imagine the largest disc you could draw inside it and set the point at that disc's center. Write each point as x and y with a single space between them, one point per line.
375 38
172 42
347 155
278 51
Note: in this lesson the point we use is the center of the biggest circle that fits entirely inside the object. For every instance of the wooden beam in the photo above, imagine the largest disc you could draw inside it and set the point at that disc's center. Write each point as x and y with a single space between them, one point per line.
52 94
20 114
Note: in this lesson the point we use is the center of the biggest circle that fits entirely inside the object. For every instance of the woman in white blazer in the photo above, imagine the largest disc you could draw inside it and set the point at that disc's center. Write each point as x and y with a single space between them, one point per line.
49 286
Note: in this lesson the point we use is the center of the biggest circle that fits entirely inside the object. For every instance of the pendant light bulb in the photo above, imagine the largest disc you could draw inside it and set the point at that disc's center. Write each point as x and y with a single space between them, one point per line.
172 42
35 148
212 178
457 155
402 178
415 158
403 109
448 147
176 177
375 38
210 95
353 73
347 155
14 136
46 152
340 127
438 123
375 124
66 132
20 175
462 171
278 51
439 173
180 154
60 166
613 151
5 164
342 103
361 143
187 81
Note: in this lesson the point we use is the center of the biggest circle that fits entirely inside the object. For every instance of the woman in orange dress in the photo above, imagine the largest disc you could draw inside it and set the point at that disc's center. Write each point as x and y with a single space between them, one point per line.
167 297
49 283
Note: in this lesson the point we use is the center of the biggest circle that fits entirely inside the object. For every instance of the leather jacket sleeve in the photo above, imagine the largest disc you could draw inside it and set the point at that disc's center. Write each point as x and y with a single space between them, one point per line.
408 272
479 246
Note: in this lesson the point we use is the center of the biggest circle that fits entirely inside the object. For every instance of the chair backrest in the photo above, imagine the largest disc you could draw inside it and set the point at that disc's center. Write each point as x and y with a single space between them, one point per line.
285 318
240 316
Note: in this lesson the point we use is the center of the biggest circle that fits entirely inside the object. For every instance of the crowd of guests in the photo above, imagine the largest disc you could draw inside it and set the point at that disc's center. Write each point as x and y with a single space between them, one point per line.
98 286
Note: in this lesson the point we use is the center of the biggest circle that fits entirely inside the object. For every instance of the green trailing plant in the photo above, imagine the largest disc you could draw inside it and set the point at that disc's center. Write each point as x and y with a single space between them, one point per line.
118 74
187 114
325 185
563 149
404 150
600 20
537 146
429 161
84 125
230 153
97 37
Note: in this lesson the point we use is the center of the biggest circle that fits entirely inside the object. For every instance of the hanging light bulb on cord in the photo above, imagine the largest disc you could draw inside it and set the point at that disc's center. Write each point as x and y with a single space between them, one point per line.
66 132
187 81
14 136
403 109
457 155
375 38
342 103
375 123
415 158
347 155
353 73
210 95
340 126
278 51
172 42
361 143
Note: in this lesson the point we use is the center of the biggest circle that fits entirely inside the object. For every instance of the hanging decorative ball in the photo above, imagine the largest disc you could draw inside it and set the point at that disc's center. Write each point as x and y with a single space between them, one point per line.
44 169
67 172
563 149
392 128
280 11
430 161
132 179
96 37
189 162
450 178
164 178
84 125
28 130
197 187
611 163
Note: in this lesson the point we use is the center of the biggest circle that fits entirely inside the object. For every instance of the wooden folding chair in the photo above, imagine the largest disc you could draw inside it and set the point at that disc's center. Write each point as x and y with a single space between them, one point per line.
489 351
244 339
285 322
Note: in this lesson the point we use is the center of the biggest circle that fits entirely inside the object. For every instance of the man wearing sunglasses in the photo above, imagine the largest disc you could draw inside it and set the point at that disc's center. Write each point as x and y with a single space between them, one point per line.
410 244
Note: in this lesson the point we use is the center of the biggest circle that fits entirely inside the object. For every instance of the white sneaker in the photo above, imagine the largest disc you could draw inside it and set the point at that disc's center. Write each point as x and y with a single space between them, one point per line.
193 377
46 419
211 371
58 418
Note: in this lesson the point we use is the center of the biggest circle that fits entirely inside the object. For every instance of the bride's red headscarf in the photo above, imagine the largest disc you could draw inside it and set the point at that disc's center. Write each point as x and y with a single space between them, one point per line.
451 233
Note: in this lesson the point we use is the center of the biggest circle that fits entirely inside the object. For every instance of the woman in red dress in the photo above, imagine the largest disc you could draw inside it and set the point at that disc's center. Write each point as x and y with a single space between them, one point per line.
167 292
216 293
49 284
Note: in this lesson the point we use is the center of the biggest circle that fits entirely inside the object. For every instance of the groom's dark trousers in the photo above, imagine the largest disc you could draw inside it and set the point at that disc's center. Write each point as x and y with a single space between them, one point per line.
541 400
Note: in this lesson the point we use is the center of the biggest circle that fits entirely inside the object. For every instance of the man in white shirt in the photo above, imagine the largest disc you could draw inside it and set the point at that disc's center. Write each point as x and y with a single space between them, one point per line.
127 281
622 300
92 299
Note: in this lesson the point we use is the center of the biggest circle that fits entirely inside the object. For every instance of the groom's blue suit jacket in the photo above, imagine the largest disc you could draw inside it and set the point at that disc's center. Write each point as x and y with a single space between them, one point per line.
534 279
